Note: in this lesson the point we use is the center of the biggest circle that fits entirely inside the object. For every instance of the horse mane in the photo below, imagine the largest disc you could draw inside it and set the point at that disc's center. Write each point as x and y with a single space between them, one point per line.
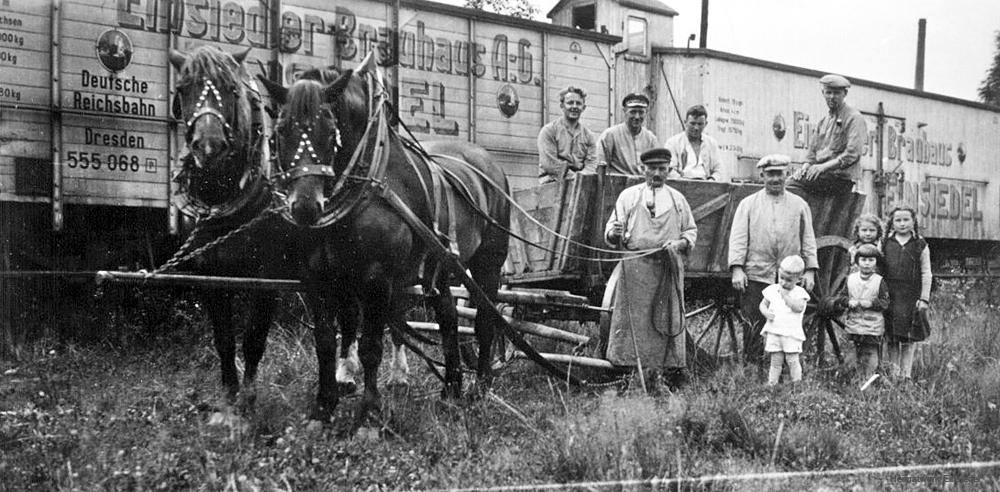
209 62
304 98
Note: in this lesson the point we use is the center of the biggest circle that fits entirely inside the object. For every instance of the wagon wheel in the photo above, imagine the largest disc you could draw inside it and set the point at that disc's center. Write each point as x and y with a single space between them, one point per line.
822 314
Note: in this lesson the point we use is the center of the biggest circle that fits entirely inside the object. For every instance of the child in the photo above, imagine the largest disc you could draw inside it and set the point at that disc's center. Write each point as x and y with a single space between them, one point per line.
783 306
908 276
868 298
867 230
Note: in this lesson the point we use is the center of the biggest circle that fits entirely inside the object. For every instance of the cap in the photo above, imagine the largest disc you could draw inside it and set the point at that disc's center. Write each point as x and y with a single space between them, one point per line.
773 161
656 156
635 100
835 81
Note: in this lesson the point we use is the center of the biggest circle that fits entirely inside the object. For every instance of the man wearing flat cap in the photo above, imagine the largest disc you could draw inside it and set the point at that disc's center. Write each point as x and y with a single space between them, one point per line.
768 226
647 325
833 161
696 155
566 146
620 146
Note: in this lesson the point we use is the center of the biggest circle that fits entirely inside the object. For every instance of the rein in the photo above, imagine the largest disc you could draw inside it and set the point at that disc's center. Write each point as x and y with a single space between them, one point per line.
414 145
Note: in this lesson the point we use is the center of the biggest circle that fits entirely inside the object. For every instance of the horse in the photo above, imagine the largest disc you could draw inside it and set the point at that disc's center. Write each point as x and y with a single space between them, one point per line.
223 184
337 157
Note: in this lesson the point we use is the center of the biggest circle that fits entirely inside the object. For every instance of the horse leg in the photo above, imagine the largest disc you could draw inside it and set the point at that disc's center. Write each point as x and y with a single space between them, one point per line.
326 355
486 273
254 343
377 296
348 362
399 368
220 310
447 318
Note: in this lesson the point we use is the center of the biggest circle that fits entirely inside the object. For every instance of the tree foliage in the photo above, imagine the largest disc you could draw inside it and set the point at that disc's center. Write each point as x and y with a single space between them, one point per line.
989 90
522 9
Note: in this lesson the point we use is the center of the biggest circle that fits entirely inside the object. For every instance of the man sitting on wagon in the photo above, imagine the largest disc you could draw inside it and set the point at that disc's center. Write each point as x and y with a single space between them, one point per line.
832 164
768 226
620 146
647 326
565 146
696 155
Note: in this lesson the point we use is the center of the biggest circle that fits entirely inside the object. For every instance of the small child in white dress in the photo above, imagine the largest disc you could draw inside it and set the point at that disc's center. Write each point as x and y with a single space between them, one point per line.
783 306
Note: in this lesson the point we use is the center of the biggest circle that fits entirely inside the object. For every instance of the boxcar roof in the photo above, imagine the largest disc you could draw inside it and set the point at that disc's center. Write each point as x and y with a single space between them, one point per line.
722 55
429 6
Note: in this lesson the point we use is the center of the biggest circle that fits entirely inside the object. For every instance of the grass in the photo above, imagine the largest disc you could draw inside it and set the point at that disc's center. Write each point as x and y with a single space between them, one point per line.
127 404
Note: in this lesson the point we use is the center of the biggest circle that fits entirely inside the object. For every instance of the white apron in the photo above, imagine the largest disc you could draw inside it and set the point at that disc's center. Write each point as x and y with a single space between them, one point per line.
649 300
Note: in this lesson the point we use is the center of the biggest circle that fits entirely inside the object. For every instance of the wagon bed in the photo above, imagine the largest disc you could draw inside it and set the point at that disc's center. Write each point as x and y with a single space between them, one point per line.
578 209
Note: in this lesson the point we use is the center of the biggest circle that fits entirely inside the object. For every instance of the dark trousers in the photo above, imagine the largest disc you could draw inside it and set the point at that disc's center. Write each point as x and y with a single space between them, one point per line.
753 343
824 185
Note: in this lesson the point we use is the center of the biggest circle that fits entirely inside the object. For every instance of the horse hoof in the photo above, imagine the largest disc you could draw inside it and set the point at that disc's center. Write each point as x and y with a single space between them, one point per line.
401 382
346 388
367 434
314 427
451 392
246 404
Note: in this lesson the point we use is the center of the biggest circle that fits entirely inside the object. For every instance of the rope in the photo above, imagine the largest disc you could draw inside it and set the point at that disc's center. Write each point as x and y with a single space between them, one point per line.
414 145
511 233
661 483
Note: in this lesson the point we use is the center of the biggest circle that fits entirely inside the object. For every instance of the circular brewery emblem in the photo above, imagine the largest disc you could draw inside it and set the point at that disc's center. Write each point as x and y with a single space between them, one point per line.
114 49
961 152
575 47
507 100
778 126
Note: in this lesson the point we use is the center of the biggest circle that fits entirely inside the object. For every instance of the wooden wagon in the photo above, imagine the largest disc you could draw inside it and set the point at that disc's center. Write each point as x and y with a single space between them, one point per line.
578 209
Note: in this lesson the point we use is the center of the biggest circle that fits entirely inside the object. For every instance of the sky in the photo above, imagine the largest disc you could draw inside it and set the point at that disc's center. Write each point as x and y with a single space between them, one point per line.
869 39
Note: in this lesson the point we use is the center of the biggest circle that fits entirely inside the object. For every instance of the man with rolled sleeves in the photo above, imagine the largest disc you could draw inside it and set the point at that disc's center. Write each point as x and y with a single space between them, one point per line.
768 226
620 146
647 325
566 146
833 164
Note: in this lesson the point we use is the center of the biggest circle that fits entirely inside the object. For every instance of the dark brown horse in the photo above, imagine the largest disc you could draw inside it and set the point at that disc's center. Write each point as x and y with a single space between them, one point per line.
223 185
338 156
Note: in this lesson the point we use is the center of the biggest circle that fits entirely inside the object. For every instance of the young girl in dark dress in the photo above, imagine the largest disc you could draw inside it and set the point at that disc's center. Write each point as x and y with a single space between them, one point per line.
907 272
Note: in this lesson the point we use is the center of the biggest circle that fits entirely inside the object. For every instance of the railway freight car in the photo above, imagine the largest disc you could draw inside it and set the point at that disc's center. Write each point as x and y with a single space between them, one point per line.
937 154
89 143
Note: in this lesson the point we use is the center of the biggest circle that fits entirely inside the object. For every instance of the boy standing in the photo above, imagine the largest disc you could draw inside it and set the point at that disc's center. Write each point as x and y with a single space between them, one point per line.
783 307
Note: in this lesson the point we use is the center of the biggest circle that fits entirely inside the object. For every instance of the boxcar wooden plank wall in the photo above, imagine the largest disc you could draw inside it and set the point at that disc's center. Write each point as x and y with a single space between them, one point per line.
944 151
25 134
113 149
462 75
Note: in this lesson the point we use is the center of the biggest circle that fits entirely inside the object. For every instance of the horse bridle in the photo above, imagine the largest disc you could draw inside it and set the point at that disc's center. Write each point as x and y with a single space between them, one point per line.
370 174
305 147
203 108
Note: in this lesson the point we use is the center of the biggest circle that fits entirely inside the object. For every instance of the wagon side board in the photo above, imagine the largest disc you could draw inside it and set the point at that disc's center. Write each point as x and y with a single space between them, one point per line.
713 205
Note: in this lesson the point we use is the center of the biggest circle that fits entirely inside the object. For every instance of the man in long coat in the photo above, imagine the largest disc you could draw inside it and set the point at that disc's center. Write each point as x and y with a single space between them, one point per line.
647 326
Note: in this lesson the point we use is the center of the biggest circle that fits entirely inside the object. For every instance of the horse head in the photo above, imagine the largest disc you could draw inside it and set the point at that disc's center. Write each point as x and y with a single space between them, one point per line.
216 99
321 122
